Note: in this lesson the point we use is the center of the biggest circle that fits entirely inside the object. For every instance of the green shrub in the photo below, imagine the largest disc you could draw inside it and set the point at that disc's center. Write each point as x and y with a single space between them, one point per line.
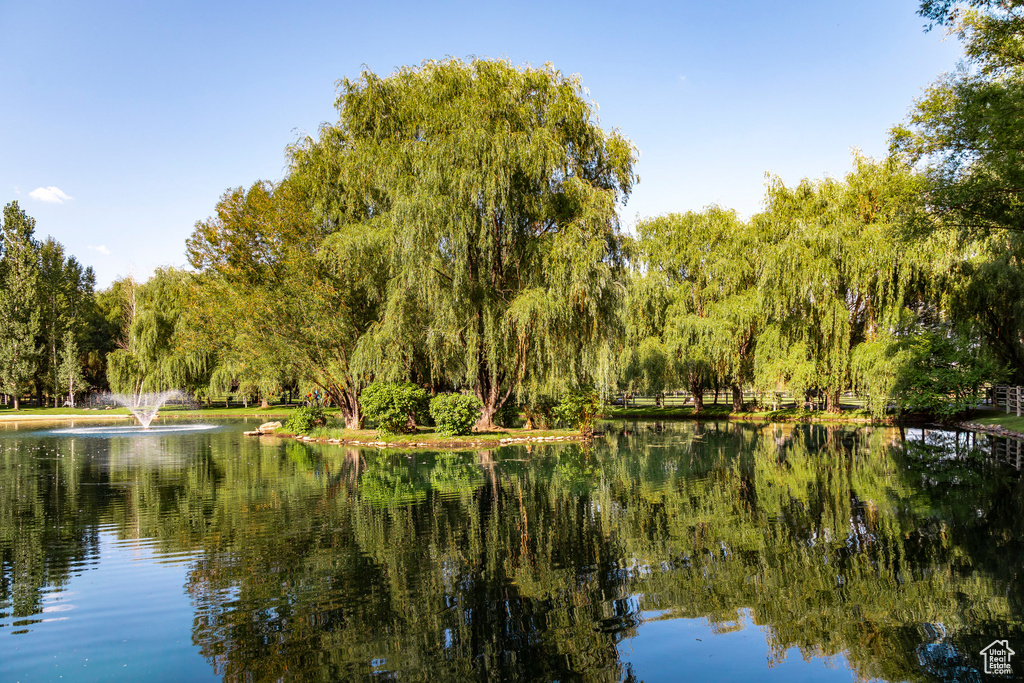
943 375
393 407
306 419
455 414
578 409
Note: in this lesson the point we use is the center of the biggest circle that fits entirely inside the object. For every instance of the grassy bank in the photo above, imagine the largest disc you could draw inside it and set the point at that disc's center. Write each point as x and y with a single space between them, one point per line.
725 412
425 437
1007 421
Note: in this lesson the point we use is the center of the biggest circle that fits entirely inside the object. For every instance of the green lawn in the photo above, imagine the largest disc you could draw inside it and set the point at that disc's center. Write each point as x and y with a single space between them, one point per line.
427 435
1008 420
57 412
166 412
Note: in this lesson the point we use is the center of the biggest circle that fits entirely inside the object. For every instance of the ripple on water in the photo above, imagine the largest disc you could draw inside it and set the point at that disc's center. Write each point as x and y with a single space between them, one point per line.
131 430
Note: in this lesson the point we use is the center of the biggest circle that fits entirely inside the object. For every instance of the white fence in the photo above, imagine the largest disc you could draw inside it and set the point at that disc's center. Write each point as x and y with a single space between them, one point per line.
1010 398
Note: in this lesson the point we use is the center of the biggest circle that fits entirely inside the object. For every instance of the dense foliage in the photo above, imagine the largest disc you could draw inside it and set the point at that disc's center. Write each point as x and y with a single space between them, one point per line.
305 419
48 317
455 414
394 407
578 408
457 228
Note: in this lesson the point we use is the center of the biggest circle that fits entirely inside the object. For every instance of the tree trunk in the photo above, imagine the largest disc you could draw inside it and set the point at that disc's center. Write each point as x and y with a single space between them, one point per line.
486 421
696 386
348 400
737 398
488 390
832 400
17 403
264 404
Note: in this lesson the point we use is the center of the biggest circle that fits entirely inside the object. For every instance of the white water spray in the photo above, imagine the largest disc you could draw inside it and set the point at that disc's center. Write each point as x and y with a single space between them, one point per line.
145 406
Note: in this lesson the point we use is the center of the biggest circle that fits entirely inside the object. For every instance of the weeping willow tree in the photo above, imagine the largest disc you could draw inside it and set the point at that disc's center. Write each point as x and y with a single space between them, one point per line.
644 364
708 264
156 352
498 191
839 273
292 288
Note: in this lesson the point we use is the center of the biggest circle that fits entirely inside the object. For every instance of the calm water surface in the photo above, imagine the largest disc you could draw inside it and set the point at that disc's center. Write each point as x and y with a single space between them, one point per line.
675 551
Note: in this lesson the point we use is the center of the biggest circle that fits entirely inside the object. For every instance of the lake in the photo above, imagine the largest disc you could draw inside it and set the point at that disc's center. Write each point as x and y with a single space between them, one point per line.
659 552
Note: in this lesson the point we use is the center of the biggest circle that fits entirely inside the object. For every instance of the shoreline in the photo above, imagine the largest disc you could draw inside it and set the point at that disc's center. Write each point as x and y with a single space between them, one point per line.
104 415
450 443
819 417
994 430
35 417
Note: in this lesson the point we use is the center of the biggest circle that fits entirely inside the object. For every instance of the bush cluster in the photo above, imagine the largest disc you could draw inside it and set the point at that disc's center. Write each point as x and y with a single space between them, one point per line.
578 409
306 419
393 407
455 414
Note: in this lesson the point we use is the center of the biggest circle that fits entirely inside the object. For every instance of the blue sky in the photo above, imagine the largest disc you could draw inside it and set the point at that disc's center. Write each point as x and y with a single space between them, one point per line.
142 114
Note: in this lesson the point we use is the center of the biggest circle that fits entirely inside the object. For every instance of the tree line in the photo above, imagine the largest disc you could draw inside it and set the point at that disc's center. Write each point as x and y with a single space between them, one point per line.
457 228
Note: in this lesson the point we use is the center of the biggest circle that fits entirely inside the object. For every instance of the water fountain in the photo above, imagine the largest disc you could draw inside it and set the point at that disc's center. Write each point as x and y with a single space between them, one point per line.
144 406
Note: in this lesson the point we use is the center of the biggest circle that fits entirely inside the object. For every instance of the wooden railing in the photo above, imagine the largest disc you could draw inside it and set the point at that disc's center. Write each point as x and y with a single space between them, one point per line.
1010 398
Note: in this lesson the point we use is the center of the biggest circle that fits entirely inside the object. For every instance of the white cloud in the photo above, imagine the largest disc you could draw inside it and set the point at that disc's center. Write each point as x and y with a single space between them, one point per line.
52 195
102 249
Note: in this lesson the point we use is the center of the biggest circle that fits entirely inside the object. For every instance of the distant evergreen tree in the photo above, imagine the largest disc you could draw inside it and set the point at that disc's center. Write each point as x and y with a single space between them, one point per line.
65 290
69 374
19 307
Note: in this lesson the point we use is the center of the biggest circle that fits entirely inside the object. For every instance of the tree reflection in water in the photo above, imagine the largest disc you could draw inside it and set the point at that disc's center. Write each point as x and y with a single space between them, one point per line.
900 552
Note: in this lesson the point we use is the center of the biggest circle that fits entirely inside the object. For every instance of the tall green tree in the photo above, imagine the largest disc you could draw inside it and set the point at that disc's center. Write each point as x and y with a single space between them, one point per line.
298 289
156 354
70 377
65 297
839 272
966 132
103 331
643 364
19 305
708 263
497 189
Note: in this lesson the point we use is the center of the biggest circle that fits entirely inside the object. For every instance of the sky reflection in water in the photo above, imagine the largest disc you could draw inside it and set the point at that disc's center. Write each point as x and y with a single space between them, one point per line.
704 551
